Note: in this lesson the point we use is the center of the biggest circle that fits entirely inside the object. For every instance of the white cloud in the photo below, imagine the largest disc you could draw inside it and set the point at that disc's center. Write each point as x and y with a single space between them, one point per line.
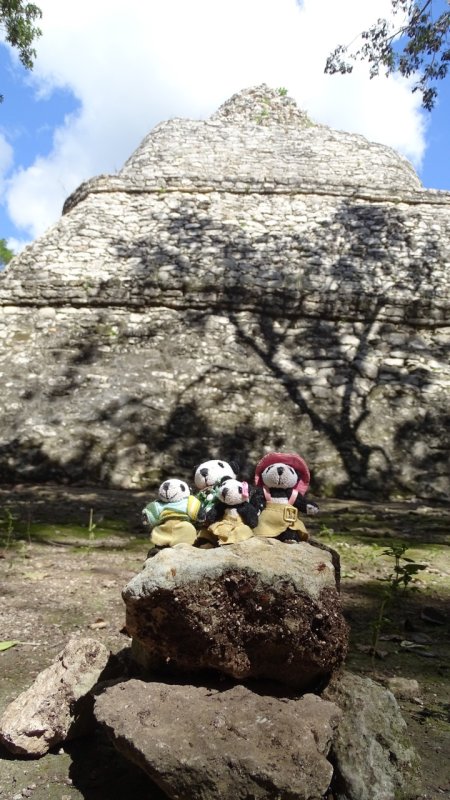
6 158
132 66
17 245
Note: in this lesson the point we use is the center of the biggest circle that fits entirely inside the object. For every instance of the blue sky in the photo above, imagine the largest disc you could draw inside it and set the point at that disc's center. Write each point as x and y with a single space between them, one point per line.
103 79
435 170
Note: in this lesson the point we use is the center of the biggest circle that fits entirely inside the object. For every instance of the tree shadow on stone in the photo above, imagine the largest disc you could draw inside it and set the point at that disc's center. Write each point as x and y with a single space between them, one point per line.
283 318
371 272
427 442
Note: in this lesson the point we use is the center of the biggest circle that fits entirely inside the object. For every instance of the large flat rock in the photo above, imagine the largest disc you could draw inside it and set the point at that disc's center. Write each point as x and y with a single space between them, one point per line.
203 744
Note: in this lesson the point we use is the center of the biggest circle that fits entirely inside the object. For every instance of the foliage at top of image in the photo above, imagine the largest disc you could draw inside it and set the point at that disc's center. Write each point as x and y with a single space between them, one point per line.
419 46
17 24
5 253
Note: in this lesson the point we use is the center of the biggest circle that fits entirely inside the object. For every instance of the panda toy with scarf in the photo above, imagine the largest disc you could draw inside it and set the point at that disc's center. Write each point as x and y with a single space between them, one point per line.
207 477
281 480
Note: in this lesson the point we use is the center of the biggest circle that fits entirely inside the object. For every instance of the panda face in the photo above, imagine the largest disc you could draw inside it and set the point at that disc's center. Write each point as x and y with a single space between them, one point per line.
209 473
279 476
173 490
232 492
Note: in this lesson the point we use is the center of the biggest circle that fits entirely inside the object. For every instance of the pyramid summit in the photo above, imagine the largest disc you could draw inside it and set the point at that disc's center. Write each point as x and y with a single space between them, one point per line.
259 140
248 281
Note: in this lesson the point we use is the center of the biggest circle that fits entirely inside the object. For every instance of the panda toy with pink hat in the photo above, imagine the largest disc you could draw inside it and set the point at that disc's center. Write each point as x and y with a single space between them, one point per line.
281 481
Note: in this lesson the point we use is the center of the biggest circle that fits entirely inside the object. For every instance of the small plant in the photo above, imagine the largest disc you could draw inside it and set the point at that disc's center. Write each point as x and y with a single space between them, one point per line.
91 528
326 531
8 523
263 114
282 91
378 624
404 571
28 531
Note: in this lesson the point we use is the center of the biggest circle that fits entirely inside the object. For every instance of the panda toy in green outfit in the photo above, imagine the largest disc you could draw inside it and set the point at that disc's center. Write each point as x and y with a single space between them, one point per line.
281 480
171 517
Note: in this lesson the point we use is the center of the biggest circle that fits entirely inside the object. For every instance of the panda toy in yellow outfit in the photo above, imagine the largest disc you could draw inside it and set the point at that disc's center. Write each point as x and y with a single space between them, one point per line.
231 517
171 517
281 480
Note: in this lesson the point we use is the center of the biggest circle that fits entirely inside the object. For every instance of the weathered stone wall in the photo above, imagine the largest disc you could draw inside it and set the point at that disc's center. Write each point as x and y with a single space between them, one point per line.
248 282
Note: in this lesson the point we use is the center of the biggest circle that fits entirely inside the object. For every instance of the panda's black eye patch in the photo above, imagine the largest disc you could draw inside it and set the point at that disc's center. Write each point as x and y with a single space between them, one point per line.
224 492
220 464
240 489
182 487
291 470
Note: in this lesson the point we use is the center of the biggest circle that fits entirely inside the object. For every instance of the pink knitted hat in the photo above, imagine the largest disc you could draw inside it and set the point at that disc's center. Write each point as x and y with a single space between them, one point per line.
292 460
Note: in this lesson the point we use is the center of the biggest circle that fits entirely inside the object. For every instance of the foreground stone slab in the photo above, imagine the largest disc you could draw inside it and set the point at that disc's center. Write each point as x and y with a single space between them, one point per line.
203 744
44 714
371 751
259 609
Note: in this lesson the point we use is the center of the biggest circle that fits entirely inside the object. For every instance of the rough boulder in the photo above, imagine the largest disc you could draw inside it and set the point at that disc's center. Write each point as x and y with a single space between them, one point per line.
260 609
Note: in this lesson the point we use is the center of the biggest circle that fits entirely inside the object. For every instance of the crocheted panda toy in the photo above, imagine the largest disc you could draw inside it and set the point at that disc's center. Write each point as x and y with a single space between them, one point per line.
171 517
208 475
282 480
231 517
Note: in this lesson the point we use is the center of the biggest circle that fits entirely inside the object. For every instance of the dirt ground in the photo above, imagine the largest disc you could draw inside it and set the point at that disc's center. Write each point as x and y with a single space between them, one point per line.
66 553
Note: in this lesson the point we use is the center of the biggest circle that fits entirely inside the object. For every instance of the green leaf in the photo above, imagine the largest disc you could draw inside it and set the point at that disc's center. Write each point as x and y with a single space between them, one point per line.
7 645
5 253
413 567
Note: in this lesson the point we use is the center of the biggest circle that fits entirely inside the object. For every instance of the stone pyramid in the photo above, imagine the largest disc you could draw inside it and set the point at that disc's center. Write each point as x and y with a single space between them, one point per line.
248 282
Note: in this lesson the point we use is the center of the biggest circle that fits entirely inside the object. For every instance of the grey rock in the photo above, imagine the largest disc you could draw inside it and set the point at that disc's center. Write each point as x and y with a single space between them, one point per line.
47 713
373 757
404 688
208 743
259 609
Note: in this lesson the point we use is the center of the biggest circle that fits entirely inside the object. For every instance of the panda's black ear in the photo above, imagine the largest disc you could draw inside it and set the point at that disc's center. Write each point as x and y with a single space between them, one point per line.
235 466
203 461
225 478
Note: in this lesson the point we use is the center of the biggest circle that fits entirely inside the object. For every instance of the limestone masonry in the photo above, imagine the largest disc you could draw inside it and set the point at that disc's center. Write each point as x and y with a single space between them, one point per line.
246 282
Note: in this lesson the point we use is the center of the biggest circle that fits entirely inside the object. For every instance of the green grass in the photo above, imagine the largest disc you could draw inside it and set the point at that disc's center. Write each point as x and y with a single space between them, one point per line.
110 534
